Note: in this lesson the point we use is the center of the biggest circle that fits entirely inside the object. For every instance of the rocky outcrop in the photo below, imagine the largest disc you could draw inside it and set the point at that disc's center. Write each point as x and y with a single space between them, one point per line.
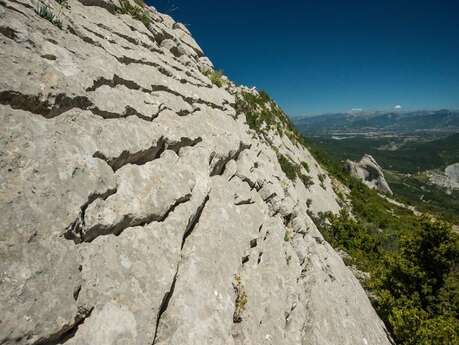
138 207
449 178
369 171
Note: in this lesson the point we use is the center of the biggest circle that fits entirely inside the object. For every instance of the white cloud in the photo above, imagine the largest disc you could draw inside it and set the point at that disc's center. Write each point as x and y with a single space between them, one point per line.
398 107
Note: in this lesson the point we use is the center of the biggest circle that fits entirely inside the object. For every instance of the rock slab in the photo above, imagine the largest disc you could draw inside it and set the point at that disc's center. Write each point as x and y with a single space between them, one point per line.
138 207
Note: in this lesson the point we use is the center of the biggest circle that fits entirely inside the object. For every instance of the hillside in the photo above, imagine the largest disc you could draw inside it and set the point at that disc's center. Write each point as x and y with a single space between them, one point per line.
408 162
393 122
146 199
405 155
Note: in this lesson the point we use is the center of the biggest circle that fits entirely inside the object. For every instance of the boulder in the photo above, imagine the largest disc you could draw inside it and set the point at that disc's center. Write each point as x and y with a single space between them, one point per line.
370 173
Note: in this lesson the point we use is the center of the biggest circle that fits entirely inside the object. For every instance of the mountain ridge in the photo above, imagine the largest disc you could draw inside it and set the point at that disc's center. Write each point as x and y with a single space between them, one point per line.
394 121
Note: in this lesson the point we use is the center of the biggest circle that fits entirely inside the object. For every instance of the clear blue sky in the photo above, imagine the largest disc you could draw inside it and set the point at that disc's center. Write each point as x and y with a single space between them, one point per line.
326 56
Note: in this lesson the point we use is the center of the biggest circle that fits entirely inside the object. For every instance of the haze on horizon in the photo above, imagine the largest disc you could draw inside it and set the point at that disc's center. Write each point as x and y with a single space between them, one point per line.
332 56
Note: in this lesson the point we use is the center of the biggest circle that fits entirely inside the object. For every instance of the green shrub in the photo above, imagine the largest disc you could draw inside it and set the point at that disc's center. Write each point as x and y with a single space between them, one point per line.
413 262
415 285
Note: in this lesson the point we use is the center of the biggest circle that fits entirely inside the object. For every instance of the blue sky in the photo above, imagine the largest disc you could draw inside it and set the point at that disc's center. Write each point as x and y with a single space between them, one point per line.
326 56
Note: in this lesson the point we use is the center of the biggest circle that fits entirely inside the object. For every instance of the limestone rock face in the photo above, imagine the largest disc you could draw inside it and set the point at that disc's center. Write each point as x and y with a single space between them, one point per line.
449 178
138 207
369 171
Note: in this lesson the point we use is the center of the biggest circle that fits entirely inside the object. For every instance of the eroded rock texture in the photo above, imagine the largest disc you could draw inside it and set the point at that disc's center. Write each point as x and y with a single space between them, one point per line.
137 207
369 171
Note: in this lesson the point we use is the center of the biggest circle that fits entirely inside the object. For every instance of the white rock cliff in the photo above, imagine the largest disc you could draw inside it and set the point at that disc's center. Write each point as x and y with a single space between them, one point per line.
370 173
138 207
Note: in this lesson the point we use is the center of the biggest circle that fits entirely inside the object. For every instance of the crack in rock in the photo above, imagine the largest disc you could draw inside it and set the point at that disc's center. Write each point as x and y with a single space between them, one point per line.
37 105
164 304
129 220
74 231
147 155
247 201
115 81
8 32
109 6
18 3
67 331
193 221
189 100
84 38
219 167
130 39
125 60
98 35
128 111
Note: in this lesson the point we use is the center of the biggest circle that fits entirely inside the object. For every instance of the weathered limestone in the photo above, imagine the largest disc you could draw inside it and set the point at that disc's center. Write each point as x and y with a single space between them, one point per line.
449 178
369 171
139 208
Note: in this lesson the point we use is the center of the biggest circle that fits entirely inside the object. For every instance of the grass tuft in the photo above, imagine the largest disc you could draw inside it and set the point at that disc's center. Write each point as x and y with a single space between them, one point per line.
216 77
136 12
46 12
241 299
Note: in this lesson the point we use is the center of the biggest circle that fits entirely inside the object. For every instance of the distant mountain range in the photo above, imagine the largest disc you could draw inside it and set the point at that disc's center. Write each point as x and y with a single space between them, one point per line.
395 121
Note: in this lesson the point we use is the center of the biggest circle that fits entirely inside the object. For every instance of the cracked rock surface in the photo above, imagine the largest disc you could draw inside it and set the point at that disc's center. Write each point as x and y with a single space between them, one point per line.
138 207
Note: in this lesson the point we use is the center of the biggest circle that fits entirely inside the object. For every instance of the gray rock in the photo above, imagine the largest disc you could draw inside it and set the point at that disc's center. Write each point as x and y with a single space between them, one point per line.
449 178
369 171
138 208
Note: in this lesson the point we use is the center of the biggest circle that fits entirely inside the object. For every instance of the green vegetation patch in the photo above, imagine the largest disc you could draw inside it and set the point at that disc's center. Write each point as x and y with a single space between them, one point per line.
47 12
292 171
410 157
262 113
401 168
417 191
241 299
305 166
413 262
216 77
288 167
137 12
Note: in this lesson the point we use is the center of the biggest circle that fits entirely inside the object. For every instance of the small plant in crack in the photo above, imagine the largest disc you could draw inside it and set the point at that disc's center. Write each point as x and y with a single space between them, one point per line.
305 166
289 168
45 10
241 299
288 235
322 178
136 12
216 77
307 180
